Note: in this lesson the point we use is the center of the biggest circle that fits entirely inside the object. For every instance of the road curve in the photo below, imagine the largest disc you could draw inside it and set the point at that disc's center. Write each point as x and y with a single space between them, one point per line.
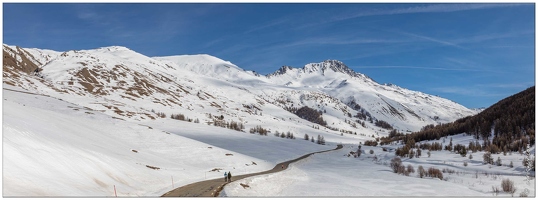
211 188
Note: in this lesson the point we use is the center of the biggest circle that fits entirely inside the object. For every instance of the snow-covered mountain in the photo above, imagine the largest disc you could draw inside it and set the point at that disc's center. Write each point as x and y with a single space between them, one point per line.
403 108
129 85
98 122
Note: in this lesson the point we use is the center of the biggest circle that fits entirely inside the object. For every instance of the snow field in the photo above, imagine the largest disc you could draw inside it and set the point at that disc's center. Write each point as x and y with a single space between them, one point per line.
57 149
333 174
54 148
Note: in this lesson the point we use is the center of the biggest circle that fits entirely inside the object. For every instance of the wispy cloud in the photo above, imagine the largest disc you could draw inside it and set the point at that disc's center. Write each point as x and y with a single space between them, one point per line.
491 36
339 41
418 67
91 13
457 43
449 7
469 91
439 41
115 24
432 8
508 85
469 64
267 25
511 46
485 90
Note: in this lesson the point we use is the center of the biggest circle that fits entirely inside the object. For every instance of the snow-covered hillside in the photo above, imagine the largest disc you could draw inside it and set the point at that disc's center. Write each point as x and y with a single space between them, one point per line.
53 148
404 109
81 122
210 66
127 84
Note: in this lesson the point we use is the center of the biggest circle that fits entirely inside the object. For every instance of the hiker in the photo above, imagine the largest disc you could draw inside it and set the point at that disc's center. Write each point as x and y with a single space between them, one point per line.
282 166
229 177
225 176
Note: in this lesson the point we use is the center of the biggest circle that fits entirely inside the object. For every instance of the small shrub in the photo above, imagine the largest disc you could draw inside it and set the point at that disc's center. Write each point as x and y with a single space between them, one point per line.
371 151
370 143
410 169
178 117
161 115
401 170
395 164
421 171
435 173
532 163
277 134
513 191
487 158
465 163
507 185
321 140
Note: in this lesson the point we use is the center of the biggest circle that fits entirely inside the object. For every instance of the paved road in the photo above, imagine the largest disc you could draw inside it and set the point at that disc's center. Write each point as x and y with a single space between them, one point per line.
211 188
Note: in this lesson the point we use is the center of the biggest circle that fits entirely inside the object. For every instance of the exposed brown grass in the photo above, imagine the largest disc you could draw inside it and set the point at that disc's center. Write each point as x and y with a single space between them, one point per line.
152 167
245 186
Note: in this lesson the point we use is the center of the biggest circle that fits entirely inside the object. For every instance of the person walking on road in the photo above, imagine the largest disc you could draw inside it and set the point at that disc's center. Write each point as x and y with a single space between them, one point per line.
229 177
225 177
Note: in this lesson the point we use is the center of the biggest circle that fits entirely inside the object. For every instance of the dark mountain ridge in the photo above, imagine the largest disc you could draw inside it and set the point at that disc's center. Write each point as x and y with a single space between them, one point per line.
508 125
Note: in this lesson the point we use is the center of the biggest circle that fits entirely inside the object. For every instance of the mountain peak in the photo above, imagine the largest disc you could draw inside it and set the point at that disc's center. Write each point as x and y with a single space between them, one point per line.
334 65
321 67
282 70
339 66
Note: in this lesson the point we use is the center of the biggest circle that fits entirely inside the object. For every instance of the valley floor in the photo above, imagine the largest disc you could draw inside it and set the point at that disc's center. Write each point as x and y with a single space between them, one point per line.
335 175
52 148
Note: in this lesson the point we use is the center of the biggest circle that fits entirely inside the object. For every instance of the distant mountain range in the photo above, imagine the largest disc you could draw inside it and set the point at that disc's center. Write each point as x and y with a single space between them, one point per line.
131 86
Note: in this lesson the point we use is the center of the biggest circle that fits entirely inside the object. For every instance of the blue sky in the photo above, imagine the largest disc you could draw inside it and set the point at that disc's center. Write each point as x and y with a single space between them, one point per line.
473 54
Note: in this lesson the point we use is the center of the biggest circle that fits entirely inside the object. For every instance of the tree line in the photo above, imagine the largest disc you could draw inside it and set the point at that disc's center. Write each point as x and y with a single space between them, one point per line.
509 124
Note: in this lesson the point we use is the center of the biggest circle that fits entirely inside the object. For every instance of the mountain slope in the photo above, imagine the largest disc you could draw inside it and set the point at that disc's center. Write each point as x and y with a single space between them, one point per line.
405 109
129 85
210 66
508 125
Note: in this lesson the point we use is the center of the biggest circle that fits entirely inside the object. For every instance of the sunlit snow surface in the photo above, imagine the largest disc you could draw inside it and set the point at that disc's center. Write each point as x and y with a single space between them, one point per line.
336 175
72 145
52 148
